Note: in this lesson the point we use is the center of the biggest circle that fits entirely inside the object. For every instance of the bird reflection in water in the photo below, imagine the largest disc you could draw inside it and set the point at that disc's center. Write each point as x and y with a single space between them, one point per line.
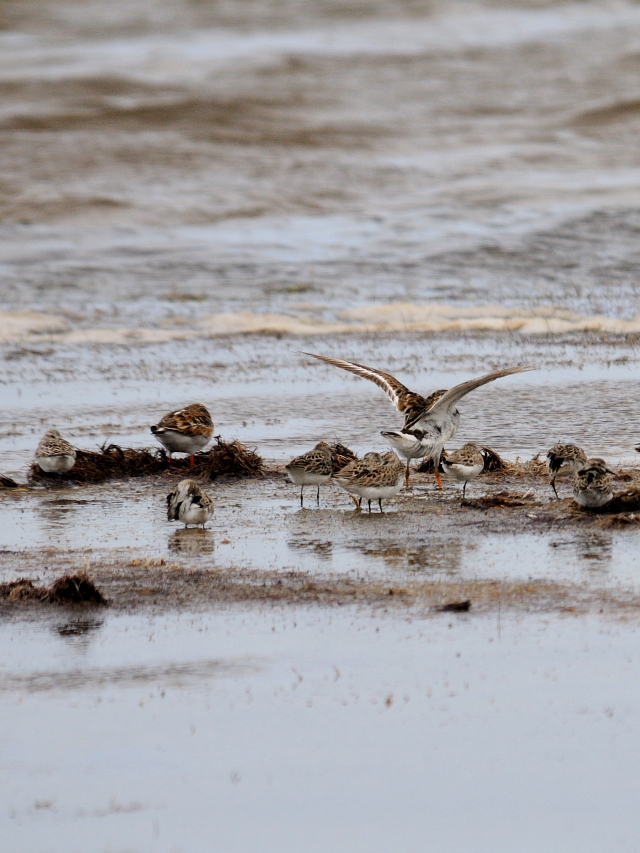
79 632
192 540
592 548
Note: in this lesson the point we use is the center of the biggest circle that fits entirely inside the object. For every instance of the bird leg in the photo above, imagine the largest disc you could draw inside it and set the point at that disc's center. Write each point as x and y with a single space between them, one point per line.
369 506
192 460
301 498
380 503
464 489
357 501
438 478
553 486
406 476
318 496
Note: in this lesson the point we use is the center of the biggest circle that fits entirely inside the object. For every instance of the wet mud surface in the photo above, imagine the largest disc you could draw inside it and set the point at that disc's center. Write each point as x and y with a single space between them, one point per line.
509 544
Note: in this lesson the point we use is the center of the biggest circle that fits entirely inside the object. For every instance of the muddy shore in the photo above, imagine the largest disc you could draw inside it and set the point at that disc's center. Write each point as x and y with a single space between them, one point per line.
418 555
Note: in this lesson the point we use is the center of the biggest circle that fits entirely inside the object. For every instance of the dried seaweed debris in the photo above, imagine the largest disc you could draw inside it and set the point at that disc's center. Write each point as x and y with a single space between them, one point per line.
231 458
68 589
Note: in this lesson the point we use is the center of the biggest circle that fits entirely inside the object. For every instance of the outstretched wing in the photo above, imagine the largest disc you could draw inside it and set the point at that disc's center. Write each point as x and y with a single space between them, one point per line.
398 393
439 410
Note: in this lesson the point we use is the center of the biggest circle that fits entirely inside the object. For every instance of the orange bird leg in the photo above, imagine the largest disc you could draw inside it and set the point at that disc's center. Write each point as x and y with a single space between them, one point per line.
438 478
192 461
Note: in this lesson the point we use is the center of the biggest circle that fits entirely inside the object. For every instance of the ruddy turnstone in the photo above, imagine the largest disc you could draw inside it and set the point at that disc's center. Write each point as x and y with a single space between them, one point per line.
415 443
373 477
54 454
189 504
312 469
592 484
185 430
564 459
408 402
464 464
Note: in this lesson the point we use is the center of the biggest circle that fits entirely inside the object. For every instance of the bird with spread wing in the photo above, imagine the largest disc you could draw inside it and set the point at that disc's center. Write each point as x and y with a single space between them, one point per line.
429 421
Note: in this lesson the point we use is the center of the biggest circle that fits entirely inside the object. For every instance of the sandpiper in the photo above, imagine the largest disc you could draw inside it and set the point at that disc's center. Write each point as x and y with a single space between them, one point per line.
312 469
189 504
373 478
592 484
564 459
54 454
185 430
464 464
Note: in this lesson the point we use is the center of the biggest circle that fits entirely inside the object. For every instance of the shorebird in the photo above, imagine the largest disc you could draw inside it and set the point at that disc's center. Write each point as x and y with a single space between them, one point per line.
464 464
373 478
312 469
429 423
185 430
189 504
564 459
54 454
592 484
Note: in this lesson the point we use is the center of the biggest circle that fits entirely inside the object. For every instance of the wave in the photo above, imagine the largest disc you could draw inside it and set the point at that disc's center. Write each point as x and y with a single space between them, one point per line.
26 326
17 326
609 113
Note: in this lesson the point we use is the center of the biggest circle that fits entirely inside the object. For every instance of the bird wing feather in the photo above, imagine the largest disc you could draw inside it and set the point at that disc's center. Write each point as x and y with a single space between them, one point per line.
439 410
398 393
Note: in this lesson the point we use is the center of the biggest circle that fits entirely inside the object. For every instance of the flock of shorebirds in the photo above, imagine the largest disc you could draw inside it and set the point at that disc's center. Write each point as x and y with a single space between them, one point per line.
429 422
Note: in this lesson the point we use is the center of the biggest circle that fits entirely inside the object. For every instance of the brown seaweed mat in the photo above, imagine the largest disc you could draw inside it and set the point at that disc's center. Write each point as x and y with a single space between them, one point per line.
68 589
226 457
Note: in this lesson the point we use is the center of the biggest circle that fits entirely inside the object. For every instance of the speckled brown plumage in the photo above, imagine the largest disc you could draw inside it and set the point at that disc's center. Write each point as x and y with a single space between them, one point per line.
408 402
192 420
185 430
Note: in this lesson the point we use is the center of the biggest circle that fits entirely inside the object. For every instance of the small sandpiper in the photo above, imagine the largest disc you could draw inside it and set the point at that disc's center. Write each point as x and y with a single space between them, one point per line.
592 484
312 469
464 464
564 459
54 454
189 504
374 478
185 430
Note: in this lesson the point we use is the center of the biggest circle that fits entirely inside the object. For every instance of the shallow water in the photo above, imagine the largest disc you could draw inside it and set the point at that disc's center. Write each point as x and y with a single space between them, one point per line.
282 730
272 158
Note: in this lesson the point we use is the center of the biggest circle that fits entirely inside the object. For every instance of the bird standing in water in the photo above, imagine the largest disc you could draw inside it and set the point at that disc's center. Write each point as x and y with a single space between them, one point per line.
464 464
564 459
189 504
312 469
